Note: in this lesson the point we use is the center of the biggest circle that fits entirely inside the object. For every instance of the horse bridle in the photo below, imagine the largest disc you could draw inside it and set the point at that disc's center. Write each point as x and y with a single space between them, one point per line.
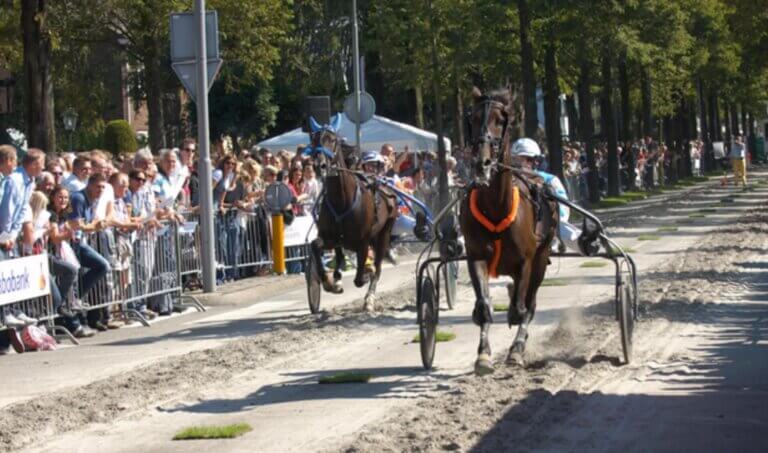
484 135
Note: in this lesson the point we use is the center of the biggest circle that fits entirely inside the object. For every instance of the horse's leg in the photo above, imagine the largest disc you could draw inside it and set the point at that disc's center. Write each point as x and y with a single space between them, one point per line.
361 277
317 248
481 315
516 351
518 293
379 247
341 261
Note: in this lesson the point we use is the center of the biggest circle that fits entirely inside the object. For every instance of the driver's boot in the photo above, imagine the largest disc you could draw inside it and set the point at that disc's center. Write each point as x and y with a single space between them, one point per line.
421 230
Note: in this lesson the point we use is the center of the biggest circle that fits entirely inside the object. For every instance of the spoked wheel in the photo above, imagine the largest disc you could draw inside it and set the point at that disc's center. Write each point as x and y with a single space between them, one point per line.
626 317
450 275
428 306
314 289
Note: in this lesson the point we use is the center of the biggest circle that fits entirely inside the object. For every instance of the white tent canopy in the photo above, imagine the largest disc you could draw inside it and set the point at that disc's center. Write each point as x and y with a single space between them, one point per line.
373 134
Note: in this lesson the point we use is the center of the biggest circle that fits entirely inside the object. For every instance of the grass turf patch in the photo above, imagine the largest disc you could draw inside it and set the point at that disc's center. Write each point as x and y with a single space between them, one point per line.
213 432
696 216
648 237
615 251
500 307
554 282
345 378
667 229
611 202
591 264
441 335
707 210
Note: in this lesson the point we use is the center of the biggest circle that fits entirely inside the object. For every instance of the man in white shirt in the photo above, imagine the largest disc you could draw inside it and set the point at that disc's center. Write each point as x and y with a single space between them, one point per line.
100 164
81 171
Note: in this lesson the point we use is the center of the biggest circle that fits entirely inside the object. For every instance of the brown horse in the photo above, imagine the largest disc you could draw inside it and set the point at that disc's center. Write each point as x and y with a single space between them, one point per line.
354 215
507 232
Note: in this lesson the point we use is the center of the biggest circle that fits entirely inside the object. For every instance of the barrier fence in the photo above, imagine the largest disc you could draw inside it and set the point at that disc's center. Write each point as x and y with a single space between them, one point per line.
149 268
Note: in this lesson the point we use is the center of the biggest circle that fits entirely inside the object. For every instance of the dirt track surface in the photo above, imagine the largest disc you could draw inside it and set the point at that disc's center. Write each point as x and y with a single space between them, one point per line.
698 379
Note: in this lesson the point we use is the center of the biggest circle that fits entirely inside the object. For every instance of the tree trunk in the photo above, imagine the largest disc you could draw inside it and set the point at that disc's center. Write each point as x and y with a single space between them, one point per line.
744 124
573 118
626 108
458 120
686 136
645 86
442 179
706 130
728 123
734 113
552 111
716 124
529 76
419 95
586 128
154 86
610 126
39 112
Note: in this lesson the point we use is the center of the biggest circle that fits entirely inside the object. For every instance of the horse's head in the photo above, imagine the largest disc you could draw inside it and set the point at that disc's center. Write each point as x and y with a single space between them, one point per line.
489 123
323 145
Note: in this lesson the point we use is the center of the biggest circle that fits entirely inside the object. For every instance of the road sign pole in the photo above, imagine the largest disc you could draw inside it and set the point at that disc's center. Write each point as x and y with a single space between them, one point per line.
204 162
356 45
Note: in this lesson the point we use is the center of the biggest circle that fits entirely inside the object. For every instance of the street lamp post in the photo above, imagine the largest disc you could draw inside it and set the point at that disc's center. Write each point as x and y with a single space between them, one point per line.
69 118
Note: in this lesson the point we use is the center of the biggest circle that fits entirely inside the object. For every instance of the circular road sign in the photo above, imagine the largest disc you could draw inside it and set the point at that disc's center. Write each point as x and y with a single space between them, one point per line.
367 107
277 196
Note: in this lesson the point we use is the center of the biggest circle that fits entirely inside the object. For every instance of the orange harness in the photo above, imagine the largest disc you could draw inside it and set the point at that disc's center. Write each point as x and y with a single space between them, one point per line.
497 228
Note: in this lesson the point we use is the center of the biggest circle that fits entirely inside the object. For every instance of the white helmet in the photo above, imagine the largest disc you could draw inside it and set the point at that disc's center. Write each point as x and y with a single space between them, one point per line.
525 147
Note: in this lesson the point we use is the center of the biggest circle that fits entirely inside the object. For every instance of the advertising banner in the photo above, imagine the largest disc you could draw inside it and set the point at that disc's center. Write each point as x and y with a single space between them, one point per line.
24 278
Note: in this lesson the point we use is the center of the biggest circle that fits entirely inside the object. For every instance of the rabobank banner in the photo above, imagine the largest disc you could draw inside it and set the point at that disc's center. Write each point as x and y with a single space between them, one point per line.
24 278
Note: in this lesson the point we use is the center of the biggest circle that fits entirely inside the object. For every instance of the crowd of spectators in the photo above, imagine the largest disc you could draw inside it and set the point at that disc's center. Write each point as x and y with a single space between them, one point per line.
65 204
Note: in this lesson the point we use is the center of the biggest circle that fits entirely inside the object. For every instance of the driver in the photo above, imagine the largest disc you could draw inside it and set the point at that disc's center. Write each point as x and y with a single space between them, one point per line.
373 164
526 152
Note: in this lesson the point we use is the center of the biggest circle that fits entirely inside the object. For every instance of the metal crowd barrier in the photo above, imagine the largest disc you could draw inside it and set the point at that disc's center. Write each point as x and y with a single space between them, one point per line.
147 272
243 241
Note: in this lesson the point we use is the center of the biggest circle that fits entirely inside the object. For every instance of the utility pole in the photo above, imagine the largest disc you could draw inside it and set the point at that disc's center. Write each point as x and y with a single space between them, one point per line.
356 45
204 163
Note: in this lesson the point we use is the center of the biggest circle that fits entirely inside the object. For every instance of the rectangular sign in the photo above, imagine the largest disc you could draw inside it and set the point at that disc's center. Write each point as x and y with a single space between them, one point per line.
296 232
24 278
184 36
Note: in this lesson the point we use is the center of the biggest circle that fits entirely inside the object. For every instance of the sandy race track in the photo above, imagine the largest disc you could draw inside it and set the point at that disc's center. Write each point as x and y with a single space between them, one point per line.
698 381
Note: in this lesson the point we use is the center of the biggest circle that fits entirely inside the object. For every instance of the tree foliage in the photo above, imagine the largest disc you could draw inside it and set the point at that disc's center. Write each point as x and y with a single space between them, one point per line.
277 52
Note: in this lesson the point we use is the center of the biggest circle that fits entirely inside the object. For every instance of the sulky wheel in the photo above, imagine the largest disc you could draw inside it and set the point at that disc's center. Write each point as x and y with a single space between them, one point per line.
427 306
626 318
314 288
451 276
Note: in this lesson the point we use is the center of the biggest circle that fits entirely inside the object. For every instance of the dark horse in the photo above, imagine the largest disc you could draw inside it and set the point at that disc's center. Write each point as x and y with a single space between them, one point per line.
498 240
352 214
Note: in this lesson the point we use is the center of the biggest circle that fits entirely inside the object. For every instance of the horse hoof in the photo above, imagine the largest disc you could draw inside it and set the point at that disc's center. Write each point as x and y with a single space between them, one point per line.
333 288
369 303
361 282
515 358
483 365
